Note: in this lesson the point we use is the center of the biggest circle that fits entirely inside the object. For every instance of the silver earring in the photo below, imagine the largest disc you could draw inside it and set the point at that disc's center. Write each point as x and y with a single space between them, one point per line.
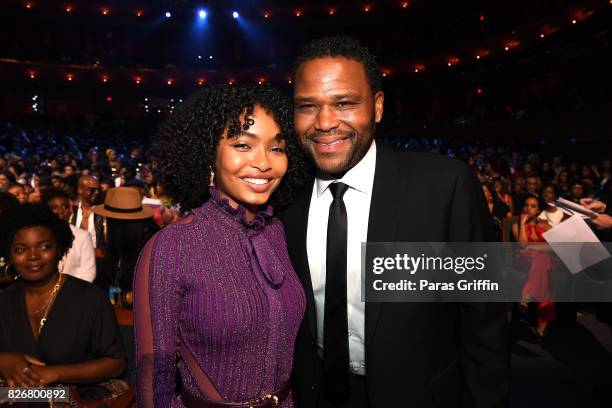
211 181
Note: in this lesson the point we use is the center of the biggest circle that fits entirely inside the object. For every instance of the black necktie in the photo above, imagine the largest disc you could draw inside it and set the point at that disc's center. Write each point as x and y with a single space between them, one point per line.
336 362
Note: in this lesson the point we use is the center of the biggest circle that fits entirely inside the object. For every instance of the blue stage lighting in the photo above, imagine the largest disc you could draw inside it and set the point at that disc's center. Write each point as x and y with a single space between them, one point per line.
202 13
235 14
168 14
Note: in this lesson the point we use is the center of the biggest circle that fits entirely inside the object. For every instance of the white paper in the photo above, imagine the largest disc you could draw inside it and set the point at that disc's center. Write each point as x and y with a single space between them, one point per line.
576 244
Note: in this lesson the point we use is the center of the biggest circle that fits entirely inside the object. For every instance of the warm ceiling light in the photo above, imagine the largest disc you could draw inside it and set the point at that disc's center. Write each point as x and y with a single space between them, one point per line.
68 8
32 74
170 81
139 13
137 80
69 77
332 11
201 81
231 81
405 4
105 11
298 13
105 78
28 5
267 14
367 8
574 21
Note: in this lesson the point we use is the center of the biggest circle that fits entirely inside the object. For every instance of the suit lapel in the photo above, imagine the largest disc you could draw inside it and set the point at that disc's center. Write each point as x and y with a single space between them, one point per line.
299 220
382 223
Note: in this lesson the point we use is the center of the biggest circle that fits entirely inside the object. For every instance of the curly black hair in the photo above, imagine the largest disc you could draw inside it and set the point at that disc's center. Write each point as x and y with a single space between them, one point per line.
185 148
342 46
36 215
51 193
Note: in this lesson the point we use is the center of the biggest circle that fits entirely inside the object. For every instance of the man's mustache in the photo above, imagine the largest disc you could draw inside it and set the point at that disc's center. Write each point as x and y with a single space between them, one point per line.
344 133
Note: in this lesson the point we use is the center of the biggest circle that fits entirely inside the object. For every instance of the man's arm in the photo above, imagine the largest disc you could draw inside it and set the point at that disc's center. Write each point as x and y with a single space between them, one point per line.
485 356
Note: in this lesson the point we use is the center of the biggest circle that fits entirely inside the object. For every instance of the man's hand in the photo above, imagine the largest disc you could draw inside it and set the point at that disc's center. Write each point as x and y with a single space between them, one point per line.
603 221
594 205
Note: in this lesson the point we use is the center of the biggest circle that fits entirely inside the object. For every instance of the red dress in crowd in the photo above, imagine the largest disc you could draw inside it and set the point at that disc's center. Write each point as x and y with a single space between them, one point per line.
537 285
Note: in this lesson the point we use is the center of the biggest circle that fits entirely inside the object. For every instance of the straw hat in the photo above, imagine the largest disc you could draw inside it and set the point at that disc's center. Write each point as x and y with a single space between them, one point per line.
123 203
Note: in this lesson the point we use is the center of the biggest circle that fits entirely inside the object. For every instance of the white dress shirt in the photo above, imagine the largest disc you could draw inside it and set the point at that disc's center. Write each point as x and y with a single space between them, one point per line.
80 261
91 228
357 198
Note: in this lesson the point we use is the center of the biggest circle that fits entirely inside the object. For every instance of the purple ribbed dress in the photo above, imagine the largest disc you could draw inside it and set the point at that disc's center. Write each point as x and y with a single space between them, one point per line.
228 287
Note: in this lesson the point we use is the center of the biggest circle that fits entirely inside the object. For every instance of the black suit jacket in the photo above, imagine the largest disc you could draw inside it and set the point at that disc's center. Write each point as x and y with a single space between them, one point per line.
417 354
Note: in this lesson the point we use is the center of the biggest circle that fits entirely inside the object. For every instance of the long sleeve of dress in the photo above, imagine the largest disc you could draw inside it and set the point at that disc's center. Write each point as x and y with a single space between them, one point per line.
156 340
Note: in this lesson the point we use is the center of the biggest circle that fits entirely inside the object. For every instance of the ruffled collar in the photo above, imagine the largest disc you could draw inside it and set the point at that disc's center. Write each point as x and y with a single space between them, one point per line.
240 213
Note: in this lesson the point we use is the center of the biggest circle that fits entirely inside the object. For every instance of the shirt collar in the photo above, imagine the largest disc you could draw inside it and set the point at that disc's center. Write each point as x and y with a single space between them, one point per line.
360 177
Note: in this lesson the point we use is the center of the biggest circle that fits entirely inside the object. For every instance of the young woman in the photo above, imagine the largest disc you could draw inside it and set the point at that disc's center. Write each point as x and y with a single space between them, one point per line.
218 287
54 328
530 229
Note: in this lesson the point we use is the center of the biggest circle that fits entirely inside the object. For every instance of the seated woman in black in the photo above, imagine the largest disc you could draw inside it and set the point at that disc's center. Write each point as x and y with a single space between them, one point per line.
54 328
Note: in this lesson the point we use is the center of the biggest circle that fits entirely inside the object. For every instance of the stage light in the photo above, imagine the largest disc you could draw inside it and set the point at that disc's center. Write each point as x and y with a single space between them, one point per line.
235 14
202 14
419 68
137 80
404 4
104 78
506 48
367 8
28 5
479 90
267 14
574 21
260 81
109 99
69 77
105 11
478 57
231 81
298 13
210 57
542 35
168 14
35 97
68 8
199 57
32 74
170 81
201 81
452 61
139 13
332 11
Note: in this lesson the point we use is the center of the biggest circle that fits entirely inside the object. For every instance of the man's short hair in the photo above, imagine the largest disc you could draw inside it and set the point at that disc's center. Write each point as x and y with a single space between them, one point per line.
346 47
52 193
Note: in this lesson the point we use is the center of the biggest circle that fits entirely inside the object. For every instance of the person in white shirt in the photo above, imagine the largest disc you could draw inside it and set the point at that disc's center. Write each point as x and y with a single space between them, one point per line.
553 215
80 261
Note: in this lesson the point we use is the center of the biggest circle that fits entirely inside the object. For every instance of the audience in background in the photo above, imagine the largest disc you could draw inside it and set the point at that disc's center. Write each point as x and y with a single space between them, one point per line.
80 261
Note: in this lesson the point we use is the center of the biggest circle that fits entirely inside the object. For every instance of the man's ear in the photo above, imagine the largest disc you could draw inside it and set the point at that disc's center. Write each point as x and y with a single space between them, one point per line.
379 99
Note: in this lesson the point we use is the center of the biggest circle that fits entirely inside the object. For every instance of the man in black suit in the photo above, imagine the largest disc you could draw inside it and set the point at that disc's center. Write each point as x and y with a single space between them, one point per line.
380 355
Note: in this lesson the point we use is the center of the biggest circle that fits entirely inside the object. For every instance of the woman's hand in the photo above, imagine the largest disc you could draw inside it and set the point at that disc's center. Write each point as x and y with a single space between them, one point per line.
46 374
523 218
18 369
